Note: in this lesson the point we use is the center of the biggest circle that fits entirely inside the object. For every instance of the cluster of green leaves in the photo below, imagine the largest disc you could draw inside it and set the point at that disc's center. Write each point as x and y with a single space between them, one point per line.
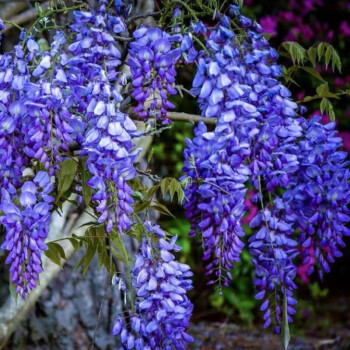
307 61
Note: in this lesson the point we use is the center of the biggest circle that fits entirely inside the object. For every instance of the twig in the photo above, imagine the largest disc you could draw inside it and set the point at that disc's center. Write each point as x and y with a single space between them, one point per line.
92 344
191 118
154 178
182 88
182 117
145 15
122 38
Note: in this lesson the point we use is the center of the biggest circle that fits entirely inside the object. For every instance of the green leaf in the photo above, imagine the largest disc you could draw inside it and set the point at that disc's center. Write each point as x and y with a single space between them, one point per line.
87 258
328 55
119 248
139 207
313 72
53 254
161 208
295 50
312 52
101 254
137 231
58 247
285 326
173 188
75 243
66 176
322 89
320 50
164 185
87 190
138 195
336 62
152 191
326 107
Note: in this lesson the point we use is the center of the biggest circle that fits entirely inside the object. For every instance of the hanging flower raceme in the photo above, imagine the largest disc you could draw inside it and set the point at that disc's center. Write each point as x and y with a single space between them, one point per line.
237 82
107 132
45 127
320 195
214 163
26 219
273 251
152 62
162 310
14 75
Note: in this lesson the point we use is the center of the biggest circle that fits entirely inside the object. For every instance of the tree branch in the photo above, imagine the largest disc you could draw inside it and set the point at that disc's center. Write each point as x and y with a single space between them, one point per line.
191 118
145 15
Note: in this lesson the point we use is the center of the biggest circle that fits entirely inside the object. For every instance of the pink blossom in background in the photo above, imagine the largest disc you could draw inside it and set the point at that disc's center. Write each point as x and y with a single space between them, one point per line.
325 119
307 32
304 269
251 208
300 95
330 35
308 5
344 28
269 24
339 82
292 34
286 16
345 135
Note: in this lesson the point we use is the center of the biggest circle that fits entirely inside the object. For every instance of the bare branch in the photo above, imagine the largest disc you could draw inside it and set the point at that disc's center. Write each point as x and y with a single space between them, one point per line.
145 15
191 118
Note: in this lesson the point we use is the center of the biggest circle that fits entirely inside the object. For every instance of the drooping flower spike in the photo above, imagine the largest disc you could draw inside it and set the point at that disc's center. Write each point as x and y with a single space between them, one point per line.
162 309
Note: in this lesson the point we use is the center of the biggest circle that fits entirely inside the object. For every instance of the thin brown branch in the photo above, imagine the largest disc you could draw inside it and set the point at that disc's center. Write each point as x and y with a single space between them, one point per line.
122 38
145 15
190 118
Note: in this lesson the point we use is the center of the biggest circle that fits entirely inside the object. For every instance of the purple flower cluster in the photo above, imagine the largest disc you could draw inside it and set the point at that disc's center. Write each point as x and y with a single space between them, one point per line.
255 122
162 309
215 163
105 133
49 99
273 251
26 219
14 76
320 194
259 138
45 111
152 63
